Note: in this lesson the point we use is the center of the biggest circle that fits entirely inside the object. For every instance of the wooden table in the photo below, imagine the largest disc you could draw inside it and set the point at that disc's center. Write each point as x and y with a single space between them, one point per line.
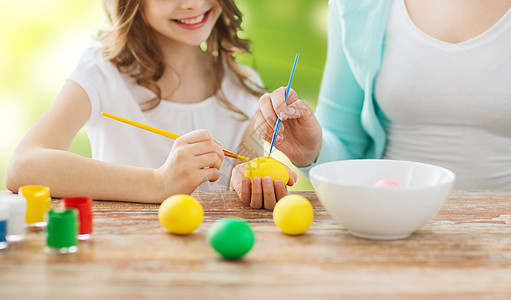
464 252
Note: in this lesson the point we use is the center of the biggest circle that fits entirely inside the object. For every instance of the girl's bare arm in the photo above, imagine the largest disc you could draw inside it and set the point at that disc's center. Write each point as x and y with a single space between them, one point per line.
42 158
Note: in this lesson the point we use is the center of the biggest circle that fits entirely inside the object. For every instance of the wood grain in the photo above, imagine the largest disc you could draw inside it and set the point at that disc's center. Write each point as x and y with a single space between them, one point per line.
462 253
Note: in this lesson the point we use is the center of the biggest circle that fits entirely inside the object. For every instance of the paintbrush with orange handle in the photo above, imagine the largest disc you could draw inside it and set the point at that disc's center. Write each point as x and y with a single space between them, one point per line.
164 133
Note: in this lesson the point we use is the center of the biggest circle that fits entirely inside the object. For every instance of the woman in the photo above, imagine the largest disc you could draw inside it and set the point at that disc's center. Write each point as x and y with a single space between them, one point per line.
407 79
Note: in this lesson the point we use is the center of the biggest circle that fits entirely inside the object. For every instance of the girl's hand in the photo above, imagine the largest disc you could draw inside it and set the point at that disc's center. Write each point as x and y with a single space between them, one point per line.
299 136
194 158
261 192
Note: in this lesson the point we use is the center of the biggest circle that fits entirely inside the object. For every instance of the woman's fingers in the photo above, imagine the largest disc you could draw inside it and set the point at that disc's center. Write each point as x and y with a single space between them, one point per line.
268 193
299 109
278 100
273 105
280 189
256 197
292 176
262 193
262 128
239 183
245 191
266 108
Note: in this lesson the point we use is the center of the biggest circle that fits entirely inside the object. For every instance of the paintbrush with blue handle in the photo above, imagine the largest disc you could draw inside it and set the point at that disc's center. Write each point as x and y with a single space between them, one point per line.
277 124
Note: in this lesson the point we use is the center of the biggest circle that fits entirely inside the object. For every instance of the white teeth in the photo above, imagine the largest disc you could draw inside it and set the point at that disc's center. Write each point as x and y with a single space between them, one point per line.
192 21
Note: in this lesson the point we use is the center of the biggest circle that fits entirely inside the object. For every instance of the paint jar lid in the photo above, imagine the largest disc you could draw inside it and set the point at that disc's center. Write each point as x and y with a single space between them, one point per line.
4 211
16 202
80 203
62 228
84 207
35 192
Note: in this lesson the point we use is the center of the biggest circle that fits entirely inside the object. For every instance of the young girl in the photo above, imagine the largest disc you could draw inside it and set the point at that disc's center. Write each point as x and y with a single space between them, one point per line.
149 68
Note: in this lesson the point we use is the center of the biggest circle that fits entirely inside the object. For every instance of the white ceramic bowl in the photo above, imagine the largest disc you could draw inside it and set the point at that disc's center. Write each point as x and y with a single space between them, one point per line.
346 190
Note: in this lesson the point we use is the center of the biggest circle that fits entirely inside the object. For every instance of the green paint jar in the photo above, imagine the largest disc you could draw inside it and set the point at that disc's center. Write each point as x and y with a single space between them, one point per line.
62 231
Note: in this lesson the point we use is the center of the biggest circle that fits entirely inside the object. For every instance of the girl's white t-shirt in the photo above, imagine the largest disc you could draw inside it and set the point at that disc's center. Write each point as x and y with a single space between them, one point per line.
448 104
117 93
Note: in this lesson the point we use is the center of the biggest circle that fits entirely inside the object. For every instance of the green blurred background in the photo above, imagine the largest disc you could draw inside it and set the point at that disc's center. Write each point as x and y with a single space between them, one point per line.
41 42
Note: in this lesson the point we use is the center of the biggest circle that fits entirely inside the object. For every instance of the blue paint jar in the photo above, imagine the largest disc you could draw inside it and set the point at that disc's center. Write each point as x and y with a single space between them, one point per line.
4 215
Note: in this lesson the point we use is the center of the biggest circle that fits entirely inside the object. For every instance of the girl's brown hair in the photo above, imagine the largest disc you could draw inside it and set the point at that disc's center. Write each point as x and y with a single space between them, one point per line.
130 46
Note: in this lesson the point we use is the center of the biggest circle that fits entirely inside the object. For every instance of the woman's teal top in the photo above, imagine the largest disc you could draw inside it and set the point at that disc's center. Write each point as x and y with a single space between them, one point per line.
352 123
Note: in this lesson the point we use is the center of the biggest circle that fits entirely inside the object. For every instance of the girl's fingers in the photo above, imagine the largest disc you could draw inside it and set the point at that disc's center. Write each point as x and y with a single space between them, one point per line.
201 142
208 160
195 136
202 148
209 174
206 147
218 143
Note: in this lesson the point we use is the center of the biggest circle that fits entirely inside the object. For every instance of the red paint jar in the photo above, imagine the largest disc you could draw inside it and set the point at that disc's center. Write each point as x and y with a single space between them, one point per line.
84 207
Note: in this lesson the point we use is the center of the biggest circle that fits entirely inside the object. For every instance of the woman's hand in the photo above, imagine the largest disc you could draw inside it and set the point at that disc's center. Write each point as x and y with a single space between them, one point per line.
194 158
299 136
261 192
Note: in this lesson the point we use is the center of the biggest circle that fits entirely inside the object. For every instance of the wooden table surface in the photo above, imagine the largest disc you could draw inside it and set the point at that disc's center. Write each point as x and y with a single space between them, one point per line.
462 253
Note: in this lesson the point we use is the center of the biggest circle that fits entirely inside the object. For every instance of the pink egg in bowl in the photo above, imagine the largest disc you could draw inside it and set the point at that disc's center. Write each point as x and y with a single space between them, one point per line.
411 195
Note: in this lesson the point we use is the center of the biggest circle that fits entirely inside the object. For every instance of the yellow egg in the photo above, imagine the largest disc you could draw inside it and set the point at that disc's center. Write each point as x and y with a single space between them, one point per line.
180 214
264 166
293 214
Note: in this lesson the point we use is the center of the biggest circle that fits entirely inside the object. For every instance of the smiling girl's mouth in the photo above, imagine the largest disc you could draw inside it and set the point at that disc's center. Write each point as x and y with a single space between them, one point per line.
193 22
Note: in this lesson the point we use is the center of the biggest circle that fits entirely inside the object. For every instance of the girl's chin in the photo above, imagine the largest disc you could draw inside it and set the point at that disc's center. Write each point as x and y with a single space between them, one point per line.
194 41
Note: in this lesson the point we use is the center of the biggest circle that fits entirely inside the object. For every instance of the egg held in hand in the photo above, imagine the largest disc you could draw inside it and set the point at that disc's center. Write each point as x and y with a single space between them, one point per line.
264 166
